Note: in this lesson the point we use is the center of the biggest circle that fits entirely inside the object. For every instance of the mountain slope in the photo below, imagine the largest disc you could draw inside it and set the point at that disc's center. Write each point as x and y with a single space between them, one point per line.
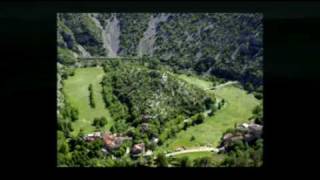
226 45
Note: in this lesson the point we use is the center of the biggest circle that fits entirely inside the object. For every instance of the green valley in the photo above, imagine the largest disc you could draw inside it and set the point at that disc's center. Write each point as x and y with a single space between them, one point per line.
159 90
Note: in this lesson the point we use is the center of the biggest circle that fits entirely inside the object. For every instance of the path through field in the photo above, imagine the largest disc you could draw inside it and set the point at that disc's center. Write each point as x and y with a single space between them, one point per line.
191 150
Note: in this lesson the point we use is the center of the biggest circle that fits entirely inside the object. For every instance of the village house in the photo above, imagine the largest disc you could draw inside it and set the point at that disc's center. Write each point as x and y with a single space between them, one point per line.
111 141
93 136
227 136
138 149
248 133
255 129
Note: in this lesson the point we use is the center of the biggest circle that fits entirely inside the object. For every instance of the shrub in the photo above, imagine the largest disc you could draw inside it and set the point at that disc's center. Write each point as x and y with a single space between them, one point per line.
99 122
66 56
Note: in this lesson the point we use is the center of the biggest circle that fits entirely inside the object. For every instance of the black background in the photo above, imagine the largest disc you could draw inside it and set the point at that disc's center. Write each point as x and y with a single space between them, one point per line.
291 76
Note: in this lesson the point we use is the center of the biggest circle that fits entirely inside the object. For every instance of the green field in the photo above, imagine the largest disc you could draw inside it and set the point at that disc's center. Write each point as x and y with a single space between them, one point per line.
216 159
196 81
76 90
194 155
238 109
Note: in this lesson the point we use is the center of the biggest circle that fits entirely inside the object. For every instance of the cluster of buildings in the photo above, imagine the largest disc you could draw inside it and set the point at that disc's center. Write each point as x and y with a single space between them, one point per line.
114 141
249 132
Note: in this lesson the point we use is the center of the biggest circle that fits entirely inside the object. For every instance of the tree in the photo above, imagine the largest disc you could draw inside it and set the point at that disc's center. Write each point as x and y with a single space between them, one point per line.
80 158
153 63
258 114
172 133
185 162
119 126
203 162
161 160
192 138
63 146
66 56
99 122
66 72
74 114
208 102
124 161
120 151
65 127
95 149
187 124
258 95
91 97
257 109
141 162
213 110
197 119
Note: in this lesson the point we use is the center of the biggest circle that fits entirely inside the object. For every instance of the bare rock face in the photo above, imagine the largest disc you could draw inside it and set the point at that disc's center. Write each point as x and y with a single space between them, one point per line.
110 34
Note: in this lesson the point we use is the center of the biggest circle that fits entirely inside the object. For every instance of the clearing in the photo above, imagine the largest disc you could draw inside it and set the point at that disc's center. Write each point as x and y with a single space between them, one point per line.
76 90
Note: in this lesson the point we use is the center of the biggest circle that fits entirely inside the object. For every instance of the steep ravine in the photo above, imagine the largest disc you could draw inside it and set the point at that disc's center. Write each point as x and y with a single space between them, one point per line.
110 35
83 52
146 44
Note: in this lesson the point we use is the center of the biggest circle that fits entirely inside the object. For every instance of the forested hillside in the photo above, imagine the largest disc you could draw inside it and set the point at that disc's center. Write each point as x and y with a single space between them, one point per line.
225 45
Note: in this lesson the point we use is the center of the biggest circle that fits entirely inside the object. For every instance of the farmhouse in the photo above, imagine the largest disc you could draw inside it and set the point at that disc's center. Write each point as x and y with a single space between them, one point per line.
92 136
138 149
111 141
255 129
248 132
